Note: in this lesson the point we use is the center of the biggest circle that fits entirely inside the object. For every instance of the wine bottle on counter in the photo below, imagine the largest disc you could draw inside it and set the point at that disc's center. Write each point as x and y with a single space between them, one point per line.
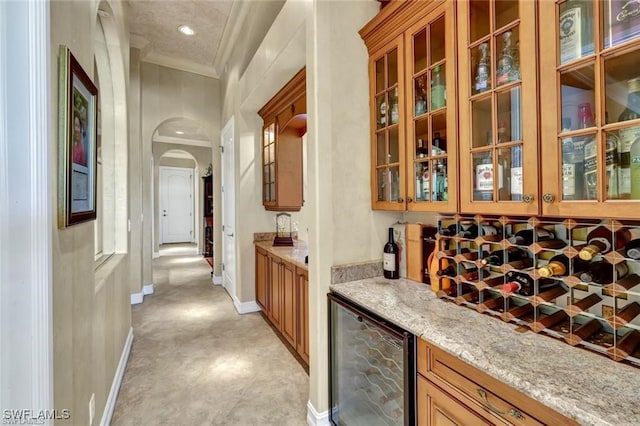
526 237
561 265
391 258
601 240
497 257
601 272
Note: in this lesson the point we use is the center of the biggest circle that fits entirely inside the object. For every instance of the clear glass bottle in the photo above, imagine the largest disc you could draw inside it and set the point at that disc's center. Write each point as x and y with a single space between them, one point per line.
585 120
575 29
483 71
484 180
505 61
438 90
572 166
517 184
627 137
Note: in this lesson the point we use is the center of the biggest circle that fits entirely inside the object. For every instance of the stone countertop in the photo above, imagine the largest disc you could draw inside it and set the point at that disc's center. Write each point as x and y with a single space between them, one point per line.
587 387
293 254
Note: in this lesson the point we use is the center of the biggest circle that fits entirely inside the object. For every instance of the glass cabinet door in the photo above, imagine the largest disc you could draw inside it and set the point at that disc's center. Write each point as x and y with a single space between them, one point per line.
431 110
498 107
590 93
388 166
269 164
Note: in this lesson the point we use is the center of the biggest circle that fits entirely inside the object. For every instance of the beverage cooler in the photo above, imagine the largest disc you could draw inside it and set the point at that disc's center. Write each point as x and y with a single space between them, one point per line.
371 367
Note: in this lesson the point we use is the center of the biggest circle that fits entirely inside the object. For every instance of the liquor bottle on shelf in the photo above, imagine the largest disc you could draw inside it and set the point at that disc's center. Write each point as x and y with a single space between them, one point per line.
484 180
526 237
382 112
502 132
505 61
561 265
576 30
601 240
515 71
483 71
497 257
517 187
602 272
421 151
522 283
635 169
438 91
391 264
421 97
585 120
438 145
632 249
627 136
612 165
572 165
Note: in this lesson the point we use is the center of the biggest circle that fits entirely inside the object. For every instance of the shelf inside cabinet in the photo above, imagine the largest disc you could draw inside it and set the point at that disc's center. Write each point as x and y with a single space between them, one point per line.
532 272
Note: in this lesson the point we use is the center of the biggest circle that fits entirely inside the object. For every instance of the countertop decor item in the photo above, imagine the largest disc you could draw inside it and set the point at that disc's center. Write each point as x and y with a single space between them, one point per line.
283 230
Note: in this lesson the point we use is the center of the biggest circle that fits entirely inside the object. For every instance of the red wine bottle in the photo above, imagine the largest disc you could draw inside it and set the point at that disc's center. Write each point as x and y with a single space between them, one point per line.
632 249
527 236
497 257
601 272
391 264
523 284
602 240
561 265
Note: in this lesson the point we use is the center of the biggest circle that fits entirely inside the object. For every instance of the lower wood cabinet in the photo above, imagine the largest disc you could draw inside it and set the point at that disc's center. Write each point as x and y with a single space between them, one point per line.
282 292
451 392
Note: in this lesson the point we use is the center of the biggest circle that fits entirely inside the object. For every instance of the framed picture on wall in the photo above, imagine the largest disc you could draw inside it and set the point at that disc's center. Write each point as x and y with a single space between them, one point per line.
77 116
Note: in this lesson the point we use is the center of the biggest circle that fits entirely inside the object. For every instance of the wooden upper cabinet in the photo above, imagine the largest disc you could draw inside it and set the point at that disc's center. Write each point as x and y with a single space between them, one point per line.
413 106
590 108
498 128
285 122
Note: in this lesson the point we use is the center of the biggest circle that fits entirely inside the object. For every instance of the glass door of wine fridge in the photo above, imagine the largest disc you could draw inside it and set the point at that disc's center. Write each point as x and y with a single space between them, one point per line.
372 368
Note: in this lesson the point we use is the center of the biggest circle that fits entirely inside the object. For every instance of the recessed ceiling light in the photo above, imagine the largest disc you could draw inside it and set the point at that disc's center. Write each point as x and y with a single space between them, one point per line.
179 132
186 30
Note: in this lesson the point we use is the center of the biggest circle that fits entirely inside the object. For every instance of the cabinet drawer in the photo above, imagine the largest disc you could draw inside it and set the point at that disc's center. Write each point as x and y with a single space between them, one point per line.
491 394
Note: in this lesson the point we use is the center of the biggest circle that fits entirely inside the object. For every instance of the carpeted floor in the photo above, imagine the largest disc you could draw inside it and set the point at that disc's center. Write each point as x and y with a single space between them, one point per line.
195 361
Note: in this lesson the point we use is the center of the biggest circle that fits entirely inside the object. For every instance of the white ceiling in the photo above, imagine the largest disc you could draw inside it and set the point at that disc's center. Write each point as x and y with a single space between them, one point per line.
154 30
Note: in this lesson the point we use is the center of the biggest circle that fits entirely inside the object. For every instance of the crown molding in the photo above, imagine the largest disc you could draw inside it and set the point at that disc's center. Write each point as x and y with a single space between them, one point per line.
232 30
180 64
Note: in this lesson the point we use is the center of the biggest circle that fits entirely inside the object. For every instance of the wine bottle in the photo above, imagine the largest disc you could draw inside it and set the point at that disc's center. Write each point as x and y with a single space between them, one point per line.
627 136
572 165
517 187
497 257
438 92
450 230
612 165
601 240
526 237
505 61
482 80
601 272
391 266
522 283
576 30
561 265
470 232
632 249
438 145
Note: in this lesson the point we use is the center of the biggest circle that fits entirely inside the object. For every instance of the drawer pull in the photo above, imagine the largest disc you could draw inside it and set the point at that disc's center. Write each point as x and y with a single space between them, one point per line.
512 412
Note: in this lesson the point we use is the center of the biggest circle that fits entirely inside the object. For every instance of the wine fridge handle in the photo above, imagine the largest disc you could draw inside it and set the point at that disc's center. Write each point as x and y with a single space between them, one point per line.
512 412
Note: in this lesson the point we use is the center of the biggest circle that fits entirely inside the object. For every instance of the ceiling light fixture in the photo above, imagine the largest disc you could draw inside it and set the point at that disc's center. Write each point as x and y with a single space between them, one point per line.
179 132
186 30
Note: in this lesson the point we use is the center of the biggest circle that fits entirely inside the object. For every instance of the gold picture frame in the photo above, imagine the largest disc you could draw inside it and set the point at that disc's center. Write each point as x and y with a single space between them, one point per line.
77 125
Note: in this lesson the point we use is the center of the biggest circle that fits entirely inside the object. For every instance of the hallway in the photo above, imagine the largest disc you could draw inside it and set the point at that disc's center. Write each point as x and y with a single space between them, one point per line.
195 361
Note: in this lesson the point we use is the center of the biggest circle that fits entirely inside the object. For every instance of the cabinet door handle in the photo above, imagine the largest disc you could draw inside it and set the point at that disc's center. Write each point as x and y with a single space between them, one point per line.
401 200
527 198
409 200
511 412
548 197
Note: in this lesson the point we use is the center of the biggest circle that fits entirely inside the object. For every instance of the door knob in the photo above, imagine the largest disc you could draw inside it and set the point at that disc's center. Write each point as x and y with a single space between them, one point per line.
230 235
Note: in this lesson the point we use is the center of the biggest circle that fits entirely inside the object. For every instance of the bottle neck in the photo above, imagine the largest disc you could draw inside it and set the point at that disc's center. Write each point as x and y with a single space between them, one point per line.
391 235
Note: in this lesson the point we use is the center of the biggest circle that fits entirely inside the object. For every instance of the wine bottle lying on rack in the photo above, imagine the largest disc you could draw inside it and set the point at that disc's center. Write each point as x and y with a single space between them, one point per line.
549 321
561 265
632 249
602 240
526 237
624 315
517 312
583 332
582 305
601 272
623 284
522 283
497 257
626 346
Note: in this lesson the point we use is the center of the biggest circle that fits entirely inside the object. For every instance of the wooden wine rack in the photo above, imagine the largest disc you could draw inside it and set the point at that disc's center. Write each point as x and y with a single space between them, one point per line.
602 318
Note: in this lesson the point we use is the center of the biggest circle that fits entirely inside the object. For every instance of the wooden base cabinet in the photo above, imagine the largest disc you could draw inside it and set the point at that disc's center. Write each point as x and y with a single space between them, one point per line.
282 291
451 392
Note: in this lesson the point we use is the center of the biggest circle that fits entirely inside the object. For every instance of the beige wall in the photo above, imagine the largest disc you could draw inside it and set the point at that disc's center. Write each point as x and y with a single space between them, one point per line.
91 313
166 94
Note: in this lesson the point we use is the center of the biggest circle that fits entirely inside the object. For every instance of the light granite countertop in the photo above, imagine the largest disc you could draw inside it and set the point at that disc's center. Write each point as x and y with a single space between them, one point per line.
587 387
293 254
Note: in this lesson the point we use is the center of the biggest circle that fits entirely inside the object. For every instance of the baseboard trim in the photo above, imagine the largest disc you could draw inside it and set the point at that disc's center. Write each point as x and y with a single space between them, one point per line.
137 298
316 419
217 279
246 307
147 289
117 380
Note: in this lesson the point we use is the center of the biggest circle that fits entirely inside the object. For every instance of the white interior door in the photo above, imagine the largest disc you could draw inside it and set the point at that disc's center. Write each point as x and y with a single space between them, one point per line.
228 210
176 204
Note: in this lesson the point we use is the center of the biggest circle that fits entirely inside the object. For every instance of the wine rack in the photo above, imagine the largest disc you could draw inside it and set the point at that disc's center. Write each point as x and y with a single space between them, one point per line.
602 315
